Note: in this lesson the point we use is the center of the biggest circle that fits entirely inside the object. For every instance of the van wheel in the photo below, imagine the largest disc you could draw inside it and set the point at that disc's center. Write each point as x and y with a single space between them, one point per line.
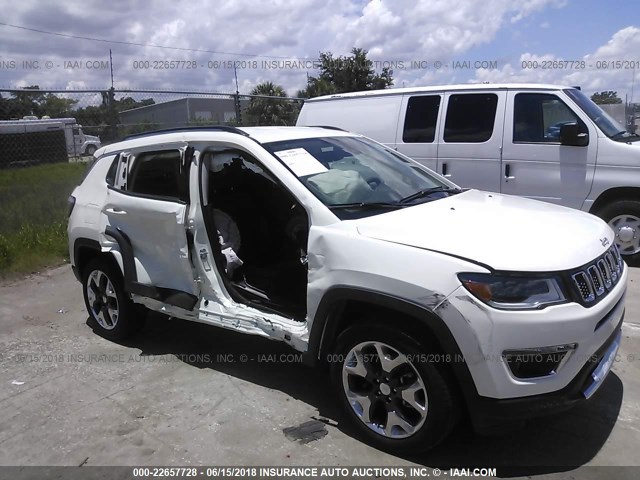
395 399
111 312
624 218
90 150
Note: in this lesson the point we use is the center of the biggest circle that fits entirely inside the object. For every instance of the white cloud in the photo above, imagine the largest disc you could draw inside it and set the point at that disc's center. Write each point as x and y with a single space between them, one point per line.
392 30
526 8
607 68
405 28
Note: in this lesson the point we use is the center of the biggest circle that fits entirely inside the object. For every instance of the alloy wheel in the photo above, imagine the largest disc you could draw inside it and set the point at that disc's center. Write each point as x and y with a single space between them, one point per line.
102 299
384 390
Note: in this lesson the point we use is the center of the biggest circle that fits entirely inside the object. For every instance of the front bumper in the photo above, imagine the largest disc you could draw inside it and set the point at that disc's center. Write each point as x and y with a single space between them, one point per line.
489 414
484 334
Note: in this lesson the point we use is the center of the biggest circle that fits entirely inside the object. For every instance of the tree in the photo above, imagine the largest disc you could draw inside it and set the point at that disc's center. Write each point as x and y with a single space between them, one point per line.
270 111
316 87
352 73
31 101
57 107
103 119
128 103
607 97
23 103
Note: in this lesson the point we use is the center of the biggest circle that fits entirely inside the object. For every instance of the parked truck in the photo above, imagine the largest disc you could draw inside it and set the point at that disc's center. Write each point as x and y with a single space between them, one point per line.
48 140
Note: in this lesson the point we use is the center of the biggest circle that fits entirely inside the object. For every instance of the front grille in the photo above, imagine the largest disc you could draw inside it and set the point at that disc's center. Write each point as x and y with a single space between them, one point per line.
593 281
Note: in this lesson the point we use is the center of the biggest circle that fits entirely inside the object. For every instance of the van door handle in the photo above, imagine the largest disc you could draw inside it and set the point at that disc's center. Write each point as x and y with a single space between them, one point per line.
444 170
507 173
116 211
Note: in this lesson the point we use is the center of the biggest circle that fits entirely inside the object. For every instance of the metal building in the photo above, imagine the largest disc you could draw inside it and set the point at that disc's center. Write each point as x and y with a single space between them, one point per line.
183 111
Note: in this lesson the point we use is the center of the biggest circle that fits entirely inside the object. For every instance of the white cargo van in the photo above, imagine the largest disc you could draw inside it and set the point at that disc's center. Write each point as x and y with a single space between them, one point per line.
545 142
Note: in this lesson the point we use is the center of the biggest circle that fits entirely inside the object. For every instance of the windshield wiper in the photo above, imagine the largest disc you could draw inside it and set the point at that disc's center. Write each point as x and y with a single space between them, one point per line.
623 134
363 205
427 192
618 135
399 204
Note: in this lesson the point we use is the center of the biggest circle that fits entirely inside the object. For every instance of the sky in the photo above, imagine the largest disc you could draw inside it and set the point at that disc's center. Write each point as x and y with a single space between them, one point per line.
593 44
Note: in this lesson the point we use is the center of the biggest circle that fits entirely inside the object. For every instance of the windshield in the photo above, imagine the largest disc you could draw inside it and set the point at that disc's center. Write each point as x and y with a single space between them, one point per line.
354 173
608 125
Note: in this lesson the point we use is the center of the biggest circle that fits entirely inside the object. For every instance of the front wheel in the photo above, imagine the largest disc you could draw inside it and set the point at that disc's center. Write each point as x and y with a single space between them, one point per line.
624 218
111 312
90 150
396 399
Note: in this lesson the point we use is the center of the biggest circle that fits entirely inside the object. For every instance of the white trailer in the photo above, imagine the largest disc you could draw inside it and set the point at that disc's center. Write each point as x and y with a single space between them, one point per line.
77 143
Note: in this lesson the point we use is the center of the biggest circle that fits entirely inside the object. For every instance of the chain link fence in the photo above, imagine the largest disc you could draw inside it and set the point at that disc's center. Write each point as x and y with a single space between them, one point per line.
51 126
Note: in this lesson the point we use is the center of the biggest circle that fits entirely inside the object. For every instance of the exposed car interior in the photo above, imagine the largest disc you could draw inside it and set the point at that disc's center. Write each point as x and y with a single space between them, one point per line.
261 229
158 174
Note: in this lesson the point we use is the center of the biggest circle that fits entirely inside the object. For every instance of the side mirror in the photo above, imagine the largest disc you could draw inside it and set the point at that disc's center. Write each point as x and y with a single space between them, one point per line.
571 136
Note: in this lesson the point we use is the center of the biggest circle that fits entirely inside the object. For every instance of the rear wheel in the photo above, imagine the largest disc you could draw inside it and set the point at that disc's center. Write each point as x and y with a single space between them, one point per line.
624 218
396 399
111 311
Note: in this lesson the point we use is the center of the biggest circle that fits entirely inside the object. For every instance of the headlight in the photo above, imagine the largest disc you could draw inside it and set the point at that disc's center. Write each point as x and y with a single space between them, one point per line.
513 292
71 202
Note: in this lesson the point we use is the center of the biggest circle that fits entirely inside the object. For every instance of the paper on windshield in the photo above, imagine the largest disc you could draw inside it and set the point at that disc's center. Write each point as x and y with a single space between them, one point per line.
301 162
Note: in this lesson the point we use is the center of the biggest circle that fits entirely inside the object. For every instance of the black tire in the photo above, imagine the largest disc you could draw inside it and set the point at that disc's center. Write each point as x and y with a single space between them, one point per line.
90 150
615 210
429 427
104 295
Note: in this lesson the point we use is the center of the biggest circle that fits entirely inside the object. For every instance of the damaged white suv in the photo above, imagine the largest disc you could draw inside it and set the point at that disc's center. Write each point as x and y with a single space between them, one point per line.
424 300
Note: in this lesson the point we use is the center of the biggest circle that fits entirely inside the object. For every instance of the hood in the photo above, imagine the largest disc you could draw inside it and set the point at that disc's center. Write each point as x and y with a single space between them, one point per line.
618 153
501 231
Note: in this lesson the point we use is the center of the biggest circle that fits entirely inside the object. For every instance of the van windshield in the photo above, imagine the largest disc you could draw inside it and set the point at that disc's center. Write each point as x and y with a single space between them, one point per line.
602 119
354 176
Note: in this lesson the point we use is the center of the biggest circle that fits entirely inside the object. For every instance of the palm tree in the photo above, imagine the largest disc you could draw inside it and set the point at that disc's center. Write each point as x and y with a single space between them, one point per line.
269 106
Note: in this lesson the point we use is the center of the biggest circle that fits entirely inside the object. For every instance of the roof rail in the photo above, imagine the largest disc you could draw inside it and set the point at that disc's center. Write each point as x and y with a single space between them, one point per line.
329 127
221 128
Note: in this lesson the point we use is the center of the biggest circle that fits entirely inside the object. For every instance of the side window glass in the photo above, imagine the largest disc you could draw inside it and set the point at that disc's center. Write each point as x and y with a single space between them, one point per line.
111 174
420 119
158 174
470 117
538 117
234 163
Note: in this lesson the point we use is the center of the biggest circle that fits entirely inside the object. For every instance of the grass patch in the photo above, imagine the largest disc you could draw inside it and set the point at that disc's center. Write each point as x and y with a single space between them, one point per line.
33 215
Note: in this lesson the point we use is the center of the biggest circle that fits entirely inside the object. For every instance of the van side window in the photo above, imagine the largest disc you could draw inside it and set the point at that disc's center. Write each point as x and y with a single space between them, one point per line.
537 118
470 117
421 118
158 174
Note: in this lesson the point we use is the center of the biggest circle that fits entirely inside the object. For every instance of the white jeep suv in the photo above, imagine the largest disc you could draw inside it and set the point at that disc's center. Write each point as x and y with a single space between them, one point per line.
424 300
